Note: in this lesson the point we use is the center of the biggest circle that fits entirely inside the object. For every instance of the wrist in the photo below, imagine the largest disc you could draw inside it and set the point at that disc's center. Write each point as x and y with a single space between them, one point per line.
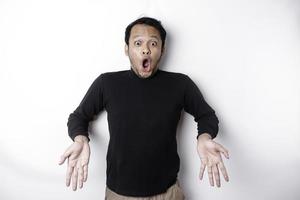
204 136
81 138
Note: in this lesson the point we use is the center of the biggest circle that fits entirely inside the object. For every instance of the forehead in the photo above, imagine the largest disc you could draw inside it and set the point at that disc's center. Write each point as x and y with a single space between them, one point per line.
142 30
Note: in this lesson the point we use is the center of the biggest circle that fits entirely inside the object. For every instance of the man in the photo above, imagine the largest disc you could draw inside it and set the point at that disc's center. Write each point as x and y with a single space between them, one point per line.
143 107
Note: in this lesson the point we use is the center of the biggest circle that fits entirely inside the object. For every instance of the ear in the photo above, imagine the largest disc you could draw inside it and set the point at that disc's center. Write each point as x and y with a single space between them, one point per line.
164 50
126 49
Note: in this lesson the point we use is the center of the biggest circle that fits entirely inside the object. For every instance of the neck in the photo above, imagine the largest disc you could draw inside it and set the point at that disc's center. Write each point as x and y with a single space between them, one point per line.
133 70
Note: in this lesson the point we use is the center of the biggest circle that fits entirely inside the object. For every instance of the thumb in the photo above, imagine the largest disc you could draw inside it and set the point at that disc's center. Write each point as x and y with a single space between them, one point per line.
64 157
223 150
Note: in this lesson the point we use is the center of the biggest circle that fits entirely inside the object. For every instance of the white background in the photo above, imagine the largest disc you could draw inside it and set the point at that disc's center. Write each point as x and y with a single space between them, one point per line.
244 56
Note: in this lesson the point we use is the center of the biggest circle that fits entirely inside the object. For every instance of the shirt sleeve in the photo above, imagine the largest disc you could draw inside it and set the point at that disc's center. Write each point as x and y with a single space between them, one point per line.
204 115
90 105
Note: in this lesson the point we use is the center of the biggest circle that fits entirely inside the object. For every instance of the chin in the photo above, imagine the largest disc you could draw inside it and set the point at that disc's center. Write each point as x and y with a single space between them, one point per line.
145 74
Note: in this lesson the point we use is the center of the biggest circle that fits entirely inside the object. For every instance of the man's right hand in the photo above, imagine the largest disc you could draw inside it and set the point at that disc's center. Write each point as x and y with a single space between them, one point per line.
78 155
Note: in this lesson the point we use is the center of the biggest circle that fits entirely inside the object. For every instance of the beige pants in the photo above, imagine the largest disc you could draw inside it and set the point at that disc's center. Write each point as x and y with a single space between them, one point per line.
174 192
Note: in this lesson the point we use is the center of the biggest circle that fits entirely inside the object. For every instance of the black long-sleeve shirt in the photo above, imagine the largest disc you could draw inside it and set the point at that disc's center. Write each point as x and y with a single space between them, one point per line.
142 114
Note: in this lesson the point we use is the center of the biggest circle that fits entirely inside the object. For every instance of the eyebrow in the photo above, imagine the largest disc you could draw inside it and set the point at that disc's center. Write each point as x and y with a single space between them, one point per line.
154 36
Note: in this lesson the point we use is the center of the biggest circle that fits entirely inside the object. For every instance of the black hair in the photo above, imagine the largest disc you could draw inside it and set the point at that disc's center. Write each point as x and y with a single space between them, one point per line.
148 21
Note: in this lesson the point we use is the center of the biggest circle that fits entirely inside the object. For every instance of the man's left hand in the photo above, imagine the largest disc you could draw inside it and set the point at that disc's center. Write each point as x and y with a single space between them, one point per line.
210 156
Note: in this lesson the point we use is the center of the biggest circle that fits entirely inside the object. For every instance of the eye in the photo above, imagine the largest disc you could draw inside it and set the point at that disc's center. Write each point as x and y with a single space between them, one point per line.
153 43
138 43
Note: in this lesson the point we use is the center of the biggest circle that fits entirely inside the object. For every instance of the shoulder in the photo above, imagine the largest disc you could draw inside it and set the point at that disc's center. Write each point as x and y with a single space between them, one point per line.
183 79
176 75
179 77
112 74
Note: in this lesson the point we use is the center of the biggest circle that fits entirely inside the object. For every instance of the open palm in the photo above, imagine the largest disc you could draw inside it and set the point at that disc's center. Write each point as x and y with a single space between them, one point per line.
78 155
209 153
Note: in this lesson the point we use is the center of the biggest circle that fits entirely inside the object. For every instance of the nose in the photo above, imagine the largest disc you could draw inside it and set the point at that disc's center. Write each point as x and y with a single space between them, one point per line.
146 50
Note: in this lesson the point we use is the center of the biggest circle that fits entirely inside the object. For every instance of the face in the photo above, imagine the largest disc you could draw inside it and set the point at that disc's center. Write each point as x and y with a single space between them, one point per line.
144 50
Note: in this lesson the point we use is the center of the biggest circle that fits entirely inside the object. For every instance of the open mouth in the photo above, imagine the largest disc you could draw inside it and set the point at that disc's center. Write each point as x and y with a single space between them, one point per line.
146 64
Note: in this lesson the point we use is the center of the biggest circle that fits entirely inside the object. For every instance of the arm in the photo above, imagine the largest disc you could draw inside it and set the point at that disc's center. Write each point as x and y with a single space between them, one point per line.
78 153
204 115
207 126
90 105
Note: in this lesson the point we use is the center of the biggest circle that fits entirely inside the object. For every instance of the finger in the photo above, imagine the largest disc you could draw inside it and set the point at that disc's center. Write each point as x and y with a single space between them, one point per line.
80 176
85 172
68 175
210 175
64 156
223 150
202 168
223 170
74 179
216 175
